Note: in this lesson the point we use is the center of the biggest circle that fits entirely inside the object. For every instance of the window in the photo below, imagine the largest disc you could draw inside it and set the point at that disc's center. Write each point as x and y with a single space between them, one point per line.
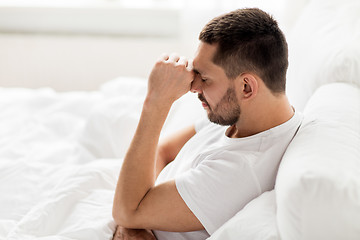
114 17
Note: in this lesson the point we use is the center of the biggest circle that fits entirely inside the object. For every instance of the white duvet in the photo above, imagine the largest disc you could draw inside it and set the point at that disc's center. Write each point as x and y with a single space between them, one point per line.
60 154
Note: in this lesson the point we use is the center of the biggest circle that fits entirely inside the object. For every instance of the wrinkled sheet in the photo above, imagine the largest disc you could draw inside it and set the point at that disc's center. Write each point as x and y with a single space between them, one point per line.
60 155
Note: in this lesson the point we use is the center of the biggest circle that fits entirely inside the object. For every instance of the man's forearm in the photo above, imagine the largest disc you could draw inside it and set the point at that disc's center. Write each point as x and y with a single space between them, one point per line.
170 78
138 172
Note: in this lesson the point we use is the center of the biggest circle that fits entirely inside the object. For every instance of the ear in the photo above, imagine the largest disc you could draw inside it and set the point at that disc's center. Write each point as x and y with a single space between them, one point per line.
249 86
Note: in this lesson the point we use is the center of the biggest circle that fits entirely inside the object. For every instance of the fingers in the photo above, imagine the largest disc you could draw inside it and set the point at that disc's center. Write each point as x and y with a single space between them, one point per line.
174 58
170 58
182 61
177 60
164 57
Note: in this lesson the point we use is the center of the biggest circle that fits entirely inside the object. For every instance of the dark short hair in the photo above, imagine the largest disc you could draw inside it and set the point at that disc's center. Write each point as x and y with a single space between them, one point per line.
249 40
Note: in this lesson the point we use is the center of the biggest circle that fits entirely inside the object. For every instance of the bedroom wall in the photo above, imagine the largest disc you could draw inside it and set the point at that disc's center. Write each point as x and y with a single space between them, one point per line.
84 61
70 62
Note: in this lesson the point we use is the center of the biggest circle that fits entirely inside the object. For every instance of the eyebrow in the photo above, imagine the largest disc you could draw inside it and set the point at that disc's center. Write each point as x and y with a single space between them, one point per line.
197 71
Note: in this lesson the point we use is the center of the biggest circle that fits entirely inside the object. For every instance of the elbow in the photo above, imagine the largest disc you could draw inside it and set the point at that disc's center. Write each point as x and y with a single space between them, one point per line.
124 218
116 216
120 217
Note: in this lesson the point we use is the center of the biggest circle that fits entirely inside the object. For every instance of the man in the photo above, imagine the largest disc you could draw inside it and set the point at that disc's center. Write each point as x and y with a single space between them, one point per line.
189 185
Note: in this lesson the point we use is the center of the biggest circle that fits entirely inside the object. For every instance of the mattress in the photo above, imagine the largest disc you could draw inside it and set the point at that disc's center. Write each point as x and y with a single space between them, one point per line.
60 155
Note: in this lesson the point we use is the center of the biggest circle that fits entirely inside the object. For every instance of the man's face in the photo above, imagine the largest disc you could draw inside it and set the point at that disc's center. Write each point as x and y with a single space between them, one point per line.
216 92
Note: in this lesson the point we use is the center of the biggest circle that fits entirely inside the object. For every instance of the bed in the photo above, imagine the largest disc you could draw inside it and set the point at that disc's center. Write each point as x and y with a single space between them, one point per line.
53 184
60 153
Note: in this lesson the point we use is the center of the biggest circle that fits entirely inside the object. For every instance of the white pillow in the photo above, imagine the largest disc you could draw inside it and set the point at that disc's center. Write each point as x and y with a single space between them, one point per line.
110 127
256 221
323 48
113 120
318 183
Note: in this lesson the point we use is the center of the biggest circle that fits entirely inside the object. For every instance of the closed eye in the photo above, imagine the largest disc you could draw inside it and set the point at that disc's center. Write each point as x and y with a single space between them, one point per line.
199 74
202 79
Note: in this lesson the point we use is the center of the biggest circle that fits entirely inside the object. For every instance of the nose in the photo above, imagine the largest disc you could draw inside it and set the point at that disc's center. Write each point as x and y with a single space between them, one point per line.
196 85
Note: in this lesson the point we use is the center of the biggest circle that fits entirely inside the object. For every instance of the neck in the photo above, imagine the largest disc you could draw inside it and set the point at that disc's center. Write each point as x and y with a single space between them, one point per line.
261 117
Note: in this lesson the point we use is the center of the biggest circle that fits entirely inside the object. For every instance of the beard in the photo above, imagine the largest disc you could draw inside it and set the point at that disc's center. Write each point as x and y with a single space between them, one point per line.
227 111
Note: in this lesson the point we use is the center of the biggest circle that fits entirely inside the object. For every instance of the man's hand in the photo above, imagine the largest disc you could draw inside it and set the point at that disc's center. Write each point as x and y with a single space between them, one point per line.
133 234
170 78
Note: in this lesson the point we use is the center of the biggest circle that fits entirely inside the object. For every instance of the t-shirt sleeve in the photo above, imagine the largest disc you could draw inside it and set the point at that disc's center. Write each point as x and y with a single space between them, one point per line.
218 188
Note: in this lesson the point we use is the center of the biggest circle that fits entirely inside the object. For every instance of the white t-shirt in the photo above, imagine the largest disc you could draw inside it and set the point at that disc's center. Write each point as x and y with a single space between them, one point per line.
217 176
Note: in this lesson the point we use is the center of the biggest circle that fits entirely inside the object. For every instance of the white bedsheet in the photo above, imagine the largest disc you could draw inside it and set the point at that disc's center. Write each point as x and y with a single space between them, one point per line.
60 155
67 201
50 184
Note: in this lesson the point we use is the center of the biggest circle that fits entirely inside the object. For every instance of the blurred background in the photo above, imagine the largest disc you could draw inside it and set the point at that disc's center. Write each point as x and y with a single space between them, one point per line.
80 44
